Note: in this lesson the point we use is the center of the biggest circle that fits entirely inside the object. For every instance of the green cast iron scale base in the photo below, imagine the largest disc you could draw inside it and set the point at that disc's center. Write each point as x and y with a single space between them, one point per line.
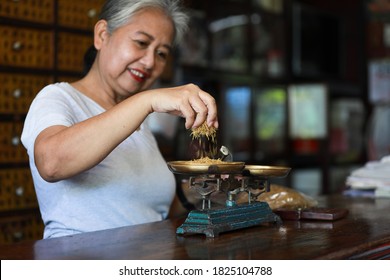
211 222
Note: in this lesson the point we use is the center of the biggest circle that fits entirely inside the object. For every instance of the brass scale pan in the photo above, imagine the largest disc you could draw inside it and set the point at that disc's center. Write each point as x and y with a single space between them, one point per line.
235 167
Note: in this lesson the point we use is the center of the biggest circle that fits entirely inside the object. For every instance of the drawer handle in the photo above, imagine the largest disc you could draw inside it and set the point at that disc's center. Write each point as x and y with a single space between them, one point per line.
18 235
91 13
19 191
15 140
17 46
17 93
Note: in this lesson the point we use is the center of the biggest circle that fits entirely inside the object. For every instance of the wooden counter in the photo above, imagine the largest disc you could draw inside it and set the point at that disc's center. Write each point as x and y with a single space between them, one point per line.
363 234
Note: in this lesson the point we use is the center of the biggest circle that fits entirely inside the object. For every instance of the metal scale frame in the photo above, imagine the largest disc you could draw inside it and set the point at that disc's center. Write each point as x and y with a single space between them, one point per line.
212 220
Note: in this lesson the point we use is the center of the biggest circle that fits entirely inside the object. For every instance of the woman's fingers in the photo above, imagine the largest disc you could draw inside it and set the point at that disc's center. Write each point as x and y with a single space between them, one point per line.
200 109
188 101
212 114
203 108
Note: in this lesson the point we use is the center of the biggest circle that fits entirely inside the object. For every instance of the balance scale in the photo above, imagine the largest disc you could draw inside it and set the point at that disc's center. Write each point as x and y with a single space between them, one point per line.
230 178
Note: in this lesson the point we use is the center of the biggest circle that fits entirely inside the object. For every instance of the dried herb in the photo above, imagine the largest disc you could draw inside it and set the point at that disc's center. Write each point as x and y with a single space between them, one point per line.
204 139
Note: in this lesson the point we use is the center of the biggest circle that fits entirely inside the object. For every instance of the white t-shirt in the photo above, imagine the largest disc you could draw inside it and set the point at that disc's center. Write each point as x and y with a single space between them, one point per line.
132 185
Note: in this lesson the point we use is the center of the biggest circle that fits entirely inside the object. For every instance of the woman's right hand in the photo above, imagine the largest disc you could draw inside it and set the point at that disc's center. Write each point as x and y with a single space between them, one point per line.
187 101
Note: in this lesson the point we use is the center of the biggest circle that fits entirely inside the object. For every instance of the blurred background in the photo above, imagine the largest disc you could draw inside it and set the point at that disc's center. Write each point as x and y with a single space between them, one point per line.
299 83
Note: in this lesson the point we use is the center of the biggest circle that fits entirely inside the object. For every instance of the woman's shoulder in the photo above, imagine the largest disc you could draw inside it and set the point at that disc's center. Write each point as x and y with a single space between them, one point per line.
59 91
57 88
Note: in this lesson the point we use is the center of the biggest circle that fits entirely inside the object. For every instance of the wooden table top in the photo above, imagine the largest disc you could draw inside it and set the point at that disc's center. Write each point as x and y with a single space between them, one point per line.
363 234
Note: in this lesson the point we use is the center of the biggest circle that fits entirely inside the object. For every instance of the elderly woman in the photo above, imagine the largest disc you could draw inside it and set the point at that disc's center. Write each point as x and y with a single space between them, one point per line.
94 162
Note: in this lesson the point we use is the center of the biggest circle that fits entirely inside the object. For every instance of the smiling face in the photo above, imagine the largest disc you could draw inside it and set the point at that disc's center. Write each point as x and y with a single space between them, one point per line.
132 57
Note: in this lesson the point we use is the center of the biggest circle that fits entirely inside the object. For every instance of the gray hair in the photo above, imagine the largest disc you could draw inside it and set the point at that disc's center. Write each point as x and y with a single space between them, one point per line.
119 12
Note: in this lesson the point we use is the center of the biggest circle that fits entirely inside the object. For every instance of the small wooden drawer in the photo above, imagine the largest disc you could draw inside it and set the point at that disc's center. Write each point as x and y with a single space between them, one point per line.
79 14
11 148
71 51
17 189
21 228
18 90
41 11
25 47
